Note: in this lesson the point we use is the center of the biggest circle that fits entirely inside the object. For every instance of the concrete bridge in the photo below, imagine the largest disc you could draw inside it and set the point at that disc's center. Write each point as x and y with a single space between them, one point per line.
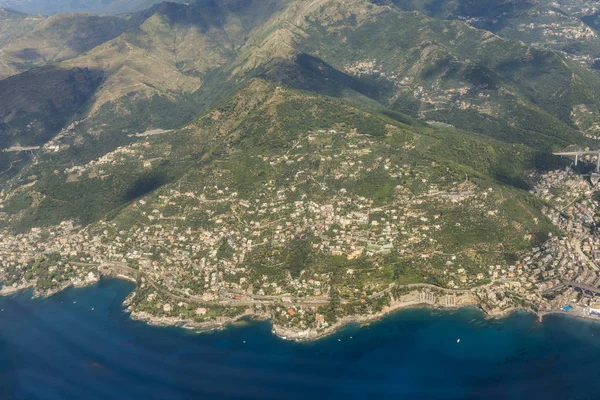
577 154
585 289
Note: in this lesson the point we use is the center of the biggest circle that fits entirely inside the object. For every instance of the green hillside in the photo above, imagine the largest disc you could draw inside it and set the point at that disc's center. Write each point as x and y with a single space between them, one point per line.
50 40
160 73
452 73
174 62
568 26
298 160
269 143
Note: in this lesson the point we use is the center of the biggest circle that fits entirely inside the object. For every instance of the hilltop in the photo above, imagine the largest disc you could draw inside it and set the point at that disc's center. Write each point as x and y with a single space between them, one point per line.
172 62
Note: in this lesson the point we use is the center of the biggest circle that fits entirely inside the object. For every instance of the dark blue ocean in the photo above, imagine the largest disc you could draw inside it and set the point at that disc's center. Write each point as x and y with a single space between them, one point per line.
58 349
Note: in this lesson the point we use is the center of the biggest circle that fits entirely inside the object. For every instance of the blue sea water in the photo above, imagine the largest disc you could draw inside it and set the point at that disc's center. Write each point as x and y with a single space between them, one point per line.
59 348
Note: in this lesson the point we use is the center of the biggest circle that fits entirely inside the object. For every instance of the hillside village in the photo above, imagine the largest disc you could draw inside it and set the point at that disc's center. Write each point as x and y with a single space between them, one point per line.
326 245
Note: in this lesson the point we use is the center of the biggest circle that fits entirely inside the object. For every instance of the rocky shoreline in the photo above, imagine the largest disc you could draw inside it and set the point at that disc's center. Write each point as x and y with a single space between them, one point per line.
218 324
309 335
408 301
280 331
37 294
10 290
42 294
411 300
287 333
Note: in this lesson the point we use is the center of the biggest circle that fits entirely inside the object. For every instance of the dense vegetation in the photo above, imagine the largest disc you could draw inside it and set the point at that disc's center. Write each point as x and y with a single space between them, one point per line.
517 105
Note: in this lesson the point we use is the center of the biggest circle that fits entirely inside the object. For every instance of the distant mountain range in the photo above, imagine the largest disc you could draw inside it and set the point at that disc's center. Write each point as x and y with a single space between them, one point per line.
50 7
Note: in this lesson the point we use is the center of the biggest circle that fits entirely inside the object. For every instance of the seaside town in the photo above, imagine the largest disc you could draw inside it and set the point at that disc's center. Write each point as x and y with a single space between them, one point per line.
322 250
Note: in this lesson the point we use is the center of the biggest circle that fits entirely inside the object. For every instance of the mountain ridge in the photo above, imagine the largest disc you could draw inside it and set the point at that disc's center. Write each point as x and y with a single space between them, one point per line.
176 62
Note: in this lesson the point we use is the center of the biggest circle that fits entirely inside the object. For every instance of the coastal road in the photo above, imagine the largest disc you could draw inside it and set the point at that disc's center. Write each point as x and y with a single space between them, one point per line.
123 270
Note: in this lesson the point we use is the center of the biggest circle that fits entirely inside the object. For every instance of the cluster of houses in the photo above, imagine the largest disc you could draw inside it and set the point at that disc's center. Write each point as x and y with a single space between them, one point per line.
575 256
196 242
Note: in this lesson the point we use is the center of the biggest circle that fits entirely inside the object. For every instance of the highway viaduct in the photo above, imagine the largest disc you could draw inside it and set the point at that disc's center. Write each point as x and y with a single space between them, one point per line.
577 154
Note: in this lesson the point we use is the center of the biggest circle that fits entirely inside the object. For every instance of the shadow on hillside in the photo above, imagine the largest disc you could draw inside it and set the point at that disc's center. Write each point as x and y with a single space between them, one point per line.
38 104
310 73
208 14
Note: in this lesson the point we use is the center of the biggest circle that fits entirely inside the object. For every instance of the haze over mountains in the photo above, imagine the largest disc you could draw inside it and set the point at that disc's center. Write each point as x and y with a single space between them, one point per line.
50 7
85 84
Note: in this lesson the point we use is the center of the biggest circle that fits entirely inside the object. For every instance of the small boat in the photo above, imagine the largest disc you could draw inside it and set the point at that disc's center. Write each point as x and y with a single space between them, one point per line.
458 341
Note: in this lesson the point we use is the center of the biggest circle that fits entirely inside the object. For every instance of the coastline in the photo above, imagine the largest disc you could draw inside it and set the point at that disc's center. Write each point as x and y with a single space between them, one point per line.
200 327
37 294
362 320
566 314
309 335
10 290
411 301
365 319
408 301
